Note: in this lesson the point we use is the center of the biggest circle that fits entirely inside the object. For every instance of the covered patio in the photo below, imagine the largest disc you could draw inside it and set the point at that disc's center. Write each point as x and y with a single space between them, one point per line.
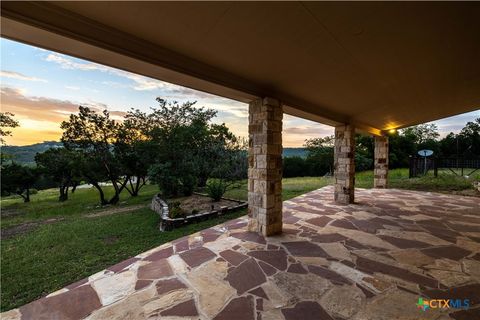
360 67
336 253
370 260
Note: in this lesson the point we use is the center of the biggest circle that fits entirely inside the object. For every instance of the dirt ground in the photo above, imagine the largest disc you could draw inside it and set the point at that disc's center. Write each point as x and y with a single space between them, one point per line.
29 226
25 227
201 203
114 210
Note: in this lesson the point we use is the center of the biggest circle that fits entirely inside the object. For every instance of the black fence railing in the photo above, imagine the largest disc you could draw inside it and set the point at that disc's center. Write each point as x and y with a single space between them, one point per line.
459 166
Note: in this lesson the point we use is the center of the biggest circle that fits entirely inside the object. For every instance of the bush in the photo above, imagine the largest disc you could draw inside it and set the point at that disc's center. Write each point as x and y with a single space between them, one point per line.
33 191
161 175
294 167
173 184
189 182
216 189
175 211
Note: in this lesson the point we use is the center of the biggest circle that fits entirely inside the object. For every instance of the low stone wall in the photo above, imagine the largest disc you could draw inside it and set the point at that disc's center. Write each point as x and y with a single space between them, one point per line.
166 223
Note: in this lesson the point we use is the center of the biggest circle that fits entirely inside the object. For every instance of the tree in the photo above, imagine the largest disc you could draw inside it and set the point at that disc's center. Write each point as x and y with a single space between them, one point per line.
470 138
6 121
422 133
216 146
62 166
364 152
294 167
93 136
177 132
134 150
320 155
18 179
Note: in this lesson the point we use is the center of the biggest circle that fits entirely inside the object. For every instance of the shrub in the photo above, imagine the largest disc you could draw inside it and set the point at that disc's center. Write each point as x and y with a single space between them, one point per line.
294 167
189 183
216 188
168 183
175 211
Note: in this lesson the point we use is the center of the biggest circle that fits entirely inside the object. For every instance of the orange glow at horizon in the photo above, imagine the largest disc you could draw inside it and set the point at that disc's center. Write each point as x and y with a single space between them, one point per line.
23 136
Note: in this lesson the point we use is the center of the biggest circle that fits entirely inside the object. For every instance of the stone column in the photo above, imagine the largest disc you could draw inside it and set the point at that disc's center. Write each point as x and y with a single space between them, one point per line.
344 163
265 166
380 174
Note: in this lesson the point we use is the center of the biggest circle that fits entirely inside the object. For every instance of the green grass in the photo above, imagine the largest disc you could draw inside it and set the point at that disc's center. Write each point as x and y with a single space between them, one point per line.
291 187
45 204
445 182
51 256
45 260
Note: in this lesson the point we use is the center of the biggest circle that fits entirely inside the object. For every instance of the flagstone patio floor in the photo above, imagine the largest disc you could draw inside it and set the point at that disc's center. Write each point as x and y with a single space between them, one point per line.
370 260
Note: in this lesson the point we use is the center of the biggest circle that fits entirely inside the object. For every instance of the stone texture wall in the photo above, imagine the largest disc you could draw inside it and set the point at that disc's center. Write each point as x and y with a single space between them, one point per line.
344 162
265 166
381 162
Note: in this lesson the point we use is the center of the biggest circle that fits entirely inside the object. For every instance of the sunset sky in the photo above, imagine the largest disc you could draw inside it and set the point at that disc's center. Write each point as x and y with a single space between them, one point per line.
43 87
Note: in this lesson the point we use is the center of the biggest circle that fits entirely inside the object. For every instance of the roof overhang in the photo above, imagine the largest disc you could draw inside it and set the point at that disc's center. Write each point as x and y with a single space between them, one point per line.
378 66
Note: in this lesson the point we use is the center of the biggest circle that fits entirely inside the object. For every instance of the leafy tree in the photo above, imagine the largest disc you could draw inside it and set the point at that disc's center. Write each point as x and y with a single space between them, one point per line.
421 133
218 147
470 138
294 167
188 148
401 147
93 136
18 179
320 155
134 151
6 121
364 152
62 166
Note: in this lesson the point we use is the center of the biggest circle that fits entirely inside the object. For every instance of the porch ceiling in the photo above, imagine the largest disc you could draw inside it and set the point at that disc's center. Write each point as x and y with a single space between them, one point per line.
376 65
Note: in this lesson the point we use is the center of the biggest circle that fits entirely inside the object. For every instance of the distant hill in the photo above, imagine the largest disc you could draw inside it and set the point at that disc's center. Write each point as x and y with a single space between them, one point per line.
26 154
294 152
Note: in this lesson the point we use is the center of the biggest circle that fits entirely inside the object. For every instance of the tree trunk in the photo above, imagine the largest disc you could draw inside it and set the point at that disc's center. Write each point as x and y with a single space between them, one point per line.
100 191
202 181
116 198
27 198
74 187
137 187
63 194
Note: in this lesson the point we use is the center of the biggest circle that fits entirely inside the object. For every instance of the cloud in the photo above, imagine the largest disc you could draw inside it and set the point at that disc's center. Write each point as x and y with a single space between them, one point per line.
140 83
74 88
40 117
19 76
317 131
35 108
456 123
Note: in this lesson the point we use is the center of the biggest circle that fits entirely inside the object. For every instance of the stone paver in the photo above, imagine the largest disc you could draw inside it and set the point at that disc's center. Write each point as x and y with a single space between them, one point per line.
368 260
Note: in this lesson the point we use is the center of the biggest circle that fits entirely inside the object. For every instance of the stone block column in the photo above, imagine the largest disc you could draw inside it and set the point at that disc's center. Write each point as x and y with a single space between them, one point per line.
380 174
344 164
265 166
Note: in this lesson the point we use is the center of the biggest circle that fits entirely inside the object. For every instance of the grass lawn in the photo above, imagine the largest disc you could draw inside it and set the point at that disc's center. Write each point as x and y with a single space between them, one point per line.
50 256
72 245
446 181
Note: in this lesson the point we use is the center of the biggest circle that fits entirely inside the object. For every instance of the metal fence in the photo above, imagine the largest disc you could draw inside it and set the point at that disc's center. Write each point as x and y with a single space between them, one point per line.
459 166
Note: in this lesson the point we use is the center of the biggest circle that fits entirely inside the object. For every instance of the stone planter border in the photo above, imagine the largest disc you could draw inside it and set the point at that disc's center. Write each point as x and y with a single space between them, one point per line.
166 223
